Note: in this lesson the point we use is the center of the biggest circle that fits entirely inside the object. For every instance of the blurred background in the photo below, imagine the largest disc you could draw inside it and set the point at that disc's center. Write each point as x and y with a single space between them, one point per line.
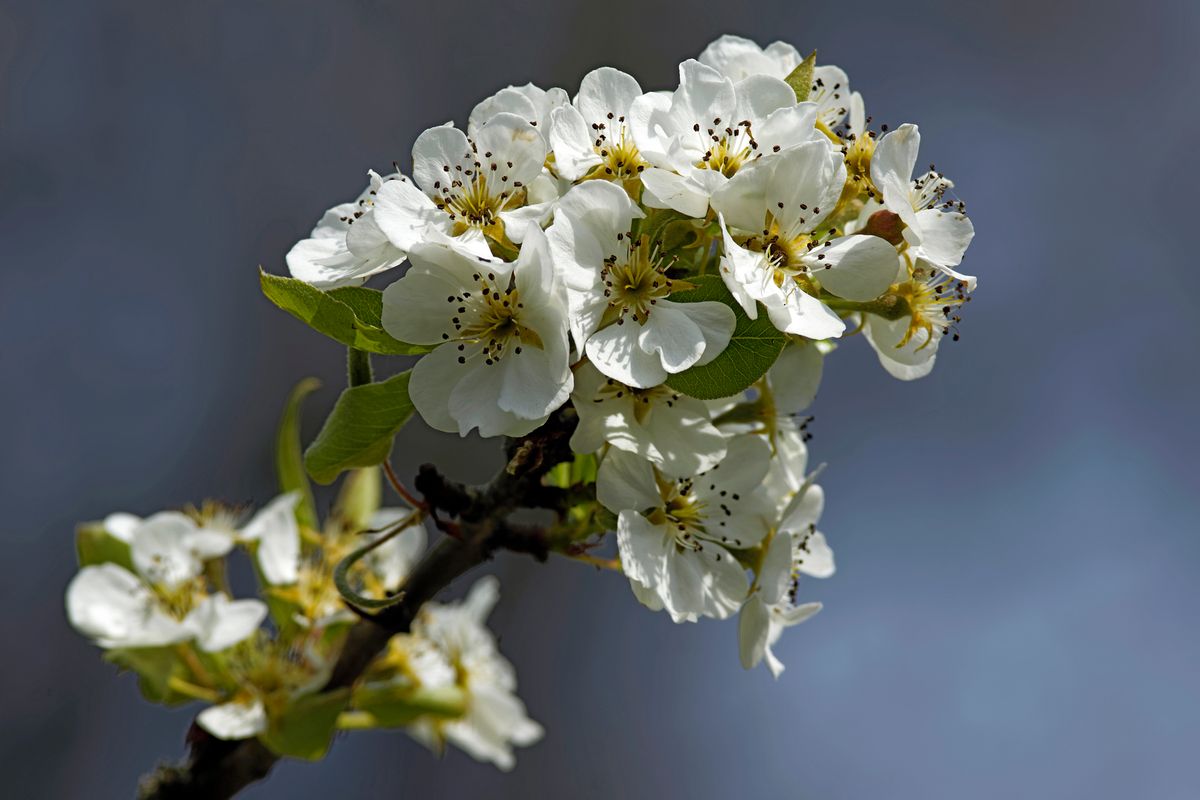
1017 535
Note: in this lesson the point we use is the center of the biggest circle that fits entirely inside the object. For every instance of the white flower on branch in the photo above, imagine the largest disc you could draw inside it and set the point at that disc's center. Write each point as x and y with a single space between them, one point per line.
591 135
501 363
167 600
471 189
347 246
618 292
770 215
711 128
676 537
495 719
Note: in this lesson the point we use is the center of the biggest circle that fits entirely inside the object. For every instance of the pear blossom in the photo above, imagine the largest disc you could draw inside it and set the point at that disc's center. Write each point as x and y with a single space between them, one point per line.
166 600
709 129
276 534
907 347
529 102
495 719
936 235
771 606
736 58
618 292
780 261
471 189
675 537
501 362
591 135
347 246
669 429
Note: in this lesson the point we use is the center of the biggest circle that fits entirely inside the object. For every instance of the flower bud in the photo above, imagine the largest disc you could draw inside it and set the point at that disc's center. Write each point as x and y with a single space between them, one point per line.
886 225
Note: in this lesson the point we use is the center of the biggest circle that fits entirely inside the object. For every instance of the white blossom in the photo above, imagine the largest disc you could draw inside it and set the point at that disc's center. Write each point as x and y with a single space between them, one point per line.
166 601
591 135
736 58
501 361
468 188
618 292
675 536
936 235
239 719
709 129
495 719
907 347
670 429
347 246
777 207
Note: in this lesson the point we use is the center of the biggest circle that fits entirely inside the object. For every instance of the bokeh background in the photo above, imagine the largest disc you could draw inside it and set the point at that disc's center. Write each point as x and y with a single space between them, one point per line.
1015 609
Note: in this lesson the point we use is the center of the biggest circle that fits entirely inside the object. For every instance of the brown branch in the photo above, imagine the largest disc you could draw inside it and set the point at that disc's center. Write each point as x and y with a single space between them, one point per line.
216 769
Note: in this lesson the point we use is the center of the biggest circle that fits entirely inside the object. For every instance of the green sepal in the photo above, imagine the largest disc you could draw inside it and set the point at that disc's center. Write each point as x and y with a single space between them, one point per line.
304 727
95 545
351 315
154 666
801 78
397 703
752 349
289 456
360 429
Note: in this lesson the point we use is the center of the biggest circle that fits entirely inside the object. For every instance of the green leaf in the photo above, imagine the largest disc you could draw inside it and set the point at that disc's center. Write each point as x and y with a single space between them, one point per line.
305 726
801 78
360 429
95 545
394 704
350 316
289 457
755 345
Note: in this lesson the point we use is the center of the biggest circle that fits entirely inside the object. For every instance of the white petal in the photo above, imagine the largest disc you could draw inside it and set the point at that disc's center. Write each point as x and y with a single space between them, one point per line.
111 605
891 169
433 380
510 100
775 576
626 482
706 582
605 95
121 525
944 236
914 360
512 139
854 267
277 533
715 320
817 556
234 720
404 214
614 351
800 313
160 549
753 626
795 377
759 95
663 189
220 623
669 332
574 156
482 598
643 549
436 154
805 185
418 307
535 382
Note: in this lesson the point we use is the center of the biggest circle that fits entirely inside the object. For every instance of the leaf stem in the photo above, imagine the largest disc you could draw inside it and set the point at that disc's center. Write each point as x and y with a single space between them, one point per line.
358 367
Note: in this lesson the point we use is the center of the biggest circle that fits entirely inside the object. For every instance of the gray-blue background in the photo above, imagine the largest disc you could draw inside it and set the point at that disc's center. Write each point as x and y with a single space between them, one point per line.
1014 612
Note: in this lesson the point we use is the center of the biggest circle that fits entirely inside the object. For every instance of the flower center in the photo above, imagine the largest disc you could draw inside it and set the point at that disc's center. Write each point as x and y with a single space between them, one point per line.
622 160
644 400
933 299
474 195
681 512
726 148
636 279
487 320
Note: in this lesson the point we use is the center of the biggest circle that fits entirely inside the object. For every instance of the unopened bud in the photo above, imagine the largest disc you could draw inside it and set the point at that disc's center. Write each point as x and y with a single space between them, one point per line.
886 225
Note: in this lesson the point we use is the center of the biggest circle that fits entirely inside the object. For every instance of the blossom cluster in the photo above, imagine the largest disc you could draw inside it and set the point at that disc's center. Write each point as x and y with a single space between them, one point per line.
665 269
557 247
159 603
